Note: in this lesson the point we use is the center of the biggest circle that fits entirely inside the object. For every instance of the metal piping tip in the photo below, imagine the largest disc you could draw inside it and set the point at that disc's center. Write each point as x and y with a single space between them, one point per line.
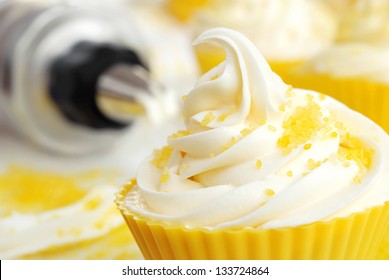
125 92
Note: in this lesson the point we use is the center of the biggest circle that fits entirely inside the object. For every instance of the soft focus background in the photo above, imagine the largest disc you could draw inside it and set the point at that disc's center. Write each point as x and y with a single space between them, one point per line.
55 206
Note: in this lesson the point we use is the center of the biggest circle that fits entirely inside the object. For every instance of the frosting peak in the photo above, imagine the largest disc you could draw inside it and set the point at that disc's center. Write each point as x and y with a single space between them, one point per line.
242 87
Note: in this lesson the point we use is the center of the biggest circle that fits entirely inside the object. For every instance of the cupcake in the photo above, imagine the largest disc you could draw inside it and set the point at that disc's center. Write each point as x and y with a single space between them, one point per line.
46 215
262 171
286 32
354 73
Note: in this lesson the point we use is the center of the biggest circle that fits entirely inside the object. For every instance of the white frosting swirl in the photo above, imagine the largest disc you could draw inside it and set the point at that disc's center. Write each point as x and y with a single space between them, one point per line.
352 60
259 154
281 30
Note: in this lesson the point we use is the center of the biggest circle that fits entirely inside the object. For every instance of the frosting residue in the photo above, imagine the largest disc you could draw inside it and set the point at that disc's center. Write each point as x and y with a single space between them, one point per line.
258 153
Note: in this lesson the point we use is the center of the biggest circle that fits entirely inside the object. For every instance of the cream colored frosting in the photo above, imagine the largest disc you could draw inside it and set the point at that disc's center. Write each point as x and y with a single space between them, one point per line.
91 217
352 60
361 20
257 153
281 29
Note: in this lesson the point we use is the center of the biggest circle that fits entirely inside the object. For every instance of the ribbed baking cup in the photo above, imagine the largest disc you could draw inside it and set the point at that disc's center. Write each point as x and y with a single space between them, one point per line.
367 97
355 237
383 250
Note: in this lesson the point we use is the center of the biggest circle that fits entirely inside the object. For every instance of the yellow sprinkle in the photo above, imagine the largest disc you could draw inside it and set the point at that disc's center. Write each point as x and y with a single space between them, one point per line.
289 173
282 108
311 164
289 92
229 144
245 132
271 128
322 96
258 164
339 125
326 119
301 126
214 77
352 148
253 126
346 164
162 156
179 134
212 155
207 119
307 146
269 192
222 117
164 178
184 97
310 97
334 134
357 180
92 204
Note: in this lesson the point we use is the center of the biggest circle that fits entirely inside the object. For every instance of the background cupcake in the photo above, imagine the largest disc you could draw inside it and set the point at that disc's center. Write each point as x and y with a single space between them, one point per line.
286 32
261 171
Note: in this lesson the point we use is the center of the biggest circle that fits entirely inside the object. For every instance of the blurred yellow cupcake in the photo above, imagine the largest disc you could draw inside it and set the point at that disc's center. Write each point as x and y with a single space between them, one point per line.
286 32
262 171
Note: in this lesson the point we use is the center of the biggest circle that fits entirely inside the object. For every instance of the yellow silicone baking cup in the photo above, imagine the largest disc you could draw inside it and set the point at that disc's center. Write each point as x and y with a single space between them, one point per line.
367 97
355 237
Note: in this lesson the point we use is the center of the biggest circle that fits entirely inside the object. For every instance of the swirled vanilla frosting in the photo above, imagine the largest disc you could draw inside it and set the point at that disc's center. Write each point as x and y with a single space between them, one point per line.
282 30
352 60
258 153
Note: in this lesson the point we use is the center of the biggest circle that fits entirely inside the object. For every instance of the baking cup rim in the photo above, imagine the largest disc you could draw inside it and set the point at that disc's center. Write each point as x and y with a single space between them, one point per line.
152 223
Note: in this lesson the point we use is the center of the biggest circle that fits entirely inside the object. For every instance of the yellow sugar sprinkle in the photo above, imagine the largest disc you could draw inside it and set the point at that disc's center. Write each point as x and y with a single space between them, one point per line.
310 97
222 117
352 148
164 178
334 134
184 97
282 108
289 92
162 156
269 192
301 126
271 128
214 77
229 144
258 164
185 166
311 164
322 96
207 119
326 119
179 134
92 204
253 126
289 173
245 132
307 146
357 180
339 125
212 155
346 164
